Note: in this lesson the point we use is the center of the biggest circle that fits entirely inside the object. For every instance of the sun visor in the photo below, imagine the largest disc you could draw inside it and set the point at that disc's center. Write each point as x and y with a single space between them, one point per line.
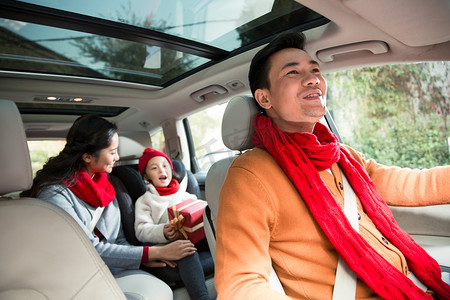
391 17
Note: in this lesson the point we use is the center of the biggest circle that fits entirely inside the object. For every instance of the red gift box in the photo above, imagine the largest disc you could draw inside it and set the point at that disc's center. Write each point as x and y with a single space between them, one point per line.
187 217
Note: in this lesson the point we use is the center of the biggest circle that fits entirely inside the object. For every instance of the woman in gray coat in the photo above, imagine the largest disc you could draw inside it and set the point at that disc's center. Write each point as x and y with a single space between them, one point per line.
76 180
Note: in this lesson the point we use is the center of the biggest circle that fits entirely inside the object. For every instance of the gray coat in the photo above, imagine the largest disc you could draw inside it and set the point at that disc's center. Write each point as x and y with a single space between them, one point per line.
117 253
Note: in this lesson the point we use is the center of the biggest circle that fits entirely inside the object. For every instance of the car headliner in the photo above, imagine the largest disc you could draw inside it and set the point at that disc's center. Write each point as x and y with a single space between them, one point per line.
358 34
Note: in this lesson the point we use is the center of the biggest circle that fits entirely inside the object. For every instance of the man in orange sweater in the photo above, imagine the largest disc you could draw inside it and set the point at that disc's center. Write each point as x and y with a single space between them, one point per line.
282 202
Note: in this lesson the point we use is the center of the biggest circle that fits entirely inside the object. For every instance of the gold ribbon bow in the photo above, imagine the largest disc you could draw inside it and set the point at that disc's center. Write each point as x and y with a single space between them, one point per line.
177 223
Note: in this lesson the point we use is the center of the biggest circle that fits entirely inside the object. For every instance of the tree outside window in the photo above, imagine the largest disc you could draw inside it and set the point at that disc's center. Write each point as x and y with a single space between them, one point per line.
395 114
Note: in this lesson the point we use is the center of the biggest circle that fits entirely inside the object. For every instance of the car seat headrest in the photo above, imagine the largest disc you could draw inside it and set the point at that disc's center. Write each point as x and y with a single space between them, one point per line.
15 165
179 170
237 123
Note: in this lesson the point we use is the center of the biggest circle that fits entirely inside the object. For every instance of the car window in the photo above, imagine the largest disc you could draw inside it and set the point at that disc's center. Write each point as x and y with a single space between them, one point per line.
158 140
41 151
395 114
206 134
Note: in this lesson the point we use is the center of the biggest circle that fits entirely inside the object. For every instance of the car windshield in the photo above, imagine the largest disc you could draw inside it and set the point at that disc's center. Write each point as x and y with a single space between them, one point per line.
154 43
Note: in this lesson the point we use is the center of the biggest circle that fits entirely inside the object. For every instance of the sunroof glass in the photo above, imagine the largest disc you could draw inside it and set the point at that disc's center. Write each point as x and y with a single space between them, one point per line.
38 48
156 42
216 22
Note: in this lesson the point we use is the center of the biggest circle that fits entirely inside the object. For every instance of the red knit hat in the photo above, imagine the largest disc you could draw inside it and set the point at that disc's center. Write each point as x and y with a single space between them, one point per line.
148 154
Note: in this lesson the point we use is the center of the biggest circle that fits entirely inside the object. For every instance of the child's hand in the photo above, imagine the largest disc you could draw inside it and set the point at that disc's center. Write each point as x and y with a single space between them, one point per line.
170 233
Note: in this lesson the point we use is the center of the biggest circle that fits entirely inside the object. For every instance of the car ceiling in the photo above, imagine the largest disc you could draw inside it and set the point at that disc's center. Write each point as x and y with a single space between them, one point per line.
361 32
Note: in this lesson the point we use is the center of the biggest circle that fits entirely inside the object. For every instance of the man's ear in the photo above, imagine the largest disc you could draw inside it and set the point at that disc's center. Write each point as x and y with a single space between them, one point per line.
87 158
261 96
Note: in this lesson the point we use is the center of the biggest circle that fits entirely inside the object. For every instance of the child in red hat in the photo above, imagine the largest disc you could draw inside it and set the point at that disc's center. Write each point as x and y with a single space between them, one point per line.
152 224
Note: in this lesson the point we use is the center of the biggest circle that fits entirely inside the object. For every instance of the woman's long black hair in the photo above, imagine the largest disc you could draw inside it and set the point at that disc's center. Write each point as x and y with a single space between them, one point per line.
88 134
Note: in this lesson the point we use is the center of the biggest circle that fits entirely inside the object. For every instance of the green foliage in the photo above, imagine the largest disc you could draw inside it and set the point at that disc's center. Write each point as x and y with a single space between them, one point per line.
395 114
38 159
205 128
41 151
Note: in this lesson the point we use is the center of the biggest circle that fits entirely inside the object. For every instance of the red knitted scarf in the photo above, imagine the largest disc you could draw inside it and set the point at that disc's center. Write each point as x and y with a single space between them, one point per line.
172 188
96 192
301 156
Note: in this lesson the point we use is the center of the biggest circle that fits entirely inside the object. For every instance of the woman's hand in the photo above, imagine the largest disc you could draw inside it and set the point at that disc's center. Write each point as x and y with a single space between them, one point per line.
170 263
171 252
178 250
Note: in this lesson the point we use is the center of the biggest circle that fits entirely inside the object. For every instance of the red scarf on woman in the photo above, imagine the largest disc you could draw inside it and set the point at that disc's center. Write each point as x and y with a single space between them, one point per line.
301 156
97 192
172 188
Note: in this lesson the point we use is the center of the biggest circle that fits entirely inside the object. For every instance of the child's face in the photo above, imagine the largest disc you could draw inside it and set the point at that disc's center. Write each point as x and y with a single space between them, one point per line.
158 171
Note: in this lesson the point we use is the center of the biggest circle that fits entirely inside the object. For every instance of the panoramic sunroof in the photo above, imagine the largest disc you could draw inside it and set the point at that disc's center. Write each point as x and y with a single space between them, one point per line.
148 42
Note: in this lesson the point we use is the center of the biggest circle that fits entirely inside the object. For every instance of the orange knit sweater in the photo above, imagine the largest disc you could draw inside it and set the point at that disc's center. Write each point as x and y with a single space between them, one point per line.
262 221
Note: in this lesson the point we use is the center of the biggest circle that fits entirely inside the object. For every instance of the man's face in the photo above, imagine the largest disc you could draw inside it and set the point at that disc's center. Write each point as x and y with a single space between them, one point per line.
296 99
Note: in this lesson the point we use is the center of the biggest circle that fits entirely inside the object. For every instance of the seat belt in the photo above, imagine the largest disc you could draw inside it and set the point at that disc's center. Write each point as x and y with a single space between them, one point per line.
345 283
208 216
97 214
